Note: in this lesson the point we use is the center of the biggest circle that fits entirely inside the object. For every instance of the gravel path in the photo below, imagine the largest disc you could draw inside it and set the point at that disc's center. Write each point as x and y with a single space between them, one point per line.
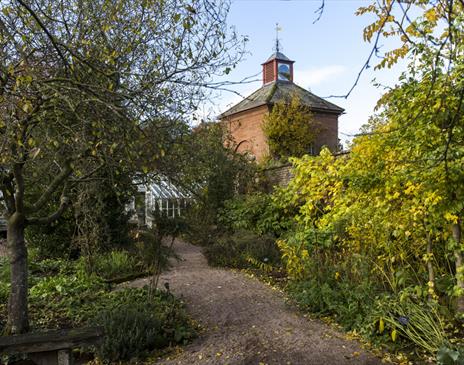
247 322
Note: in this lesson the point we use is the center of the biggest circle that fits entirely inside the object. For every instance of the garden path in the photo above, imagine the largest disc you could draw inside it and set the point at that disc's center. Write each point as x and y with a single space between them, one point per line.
247 322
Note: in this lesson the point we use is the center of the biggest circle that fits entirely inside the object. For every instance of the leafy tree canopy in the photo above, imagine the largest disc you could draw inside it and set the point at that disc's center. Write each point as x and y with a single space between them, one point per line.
86 85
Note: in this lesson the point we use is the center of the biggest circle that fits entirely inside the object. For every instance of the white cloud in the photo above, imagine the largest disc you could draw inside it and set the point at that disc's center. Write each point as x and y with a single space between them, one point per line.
314 76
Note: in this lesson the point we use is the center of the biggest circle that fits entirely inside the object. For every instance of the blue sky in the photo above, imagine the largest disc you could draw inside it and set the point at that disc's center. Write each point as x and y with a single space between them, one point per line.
328 54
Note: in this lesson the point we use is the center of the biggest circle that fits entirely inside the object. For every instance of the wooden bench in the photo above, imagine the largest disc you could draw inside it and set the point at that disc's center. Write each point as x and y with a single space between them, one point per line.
51 347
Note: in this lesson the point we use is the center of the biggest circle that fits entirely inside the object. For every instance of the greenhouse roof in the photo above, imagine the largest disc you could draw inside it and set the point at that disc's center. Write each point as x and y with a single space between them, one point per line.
164 189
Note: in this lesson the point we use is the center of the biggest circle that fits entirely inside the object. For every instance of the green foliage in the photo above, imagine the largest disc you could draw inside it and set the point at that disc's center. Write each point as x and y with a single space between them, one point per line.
151 251
53 240
202 228
214 174
136 322
212 170
111 265
390 209
421 324
95 222
243 249
357 253
344 301
419 129
66 300
164 226
382 318
325 284
139 326
450 356
4 291
256 212
4 270
101 220
290 129
72 112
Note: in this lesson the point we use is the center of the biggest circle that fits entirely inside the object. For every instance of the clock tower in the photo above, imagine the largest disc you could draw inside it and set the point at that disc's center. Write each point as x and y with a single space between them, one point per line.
278 67
244 121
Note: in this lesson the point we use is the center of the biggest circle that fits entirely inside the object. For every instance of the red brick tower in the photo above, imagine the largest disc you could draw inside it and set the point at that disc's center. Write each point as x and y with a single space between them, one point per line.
244 120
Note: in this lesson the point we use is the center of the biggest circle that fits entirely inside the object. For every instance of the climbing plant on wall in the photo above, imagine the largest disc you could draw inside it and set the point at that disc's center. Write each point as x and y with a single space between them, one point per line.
290 129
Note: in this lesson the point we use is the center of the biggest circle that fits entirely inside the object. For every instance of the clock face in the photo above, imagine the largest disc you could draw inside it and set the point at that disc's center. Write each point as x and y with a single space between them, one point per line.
283 71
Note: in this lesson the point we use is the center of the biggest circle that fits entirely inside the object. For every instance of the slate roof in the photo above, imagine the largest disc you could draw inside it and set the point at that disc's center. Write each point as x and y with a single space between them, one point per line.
278 56
276 91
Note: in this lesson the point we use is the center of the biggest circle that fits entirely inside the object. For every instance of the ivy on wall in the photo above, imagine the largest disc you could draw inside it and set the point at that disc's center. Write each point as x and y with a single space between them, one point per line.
290 129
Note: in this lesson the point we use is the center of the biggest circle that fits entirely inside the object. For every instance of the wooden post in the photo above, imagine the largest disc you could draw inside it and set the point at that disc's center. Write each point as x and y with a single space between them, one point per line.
59 357
65 357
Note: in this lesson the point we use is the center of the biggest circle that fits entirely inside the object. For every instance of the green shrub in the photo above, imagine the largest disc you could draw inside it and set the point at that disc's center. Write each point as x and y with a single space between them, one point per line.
383 318
4 291
136 320
448 355
242 250
63 295
110 265
53 240
131 330
65 300
201 225
420 324
4 270
152 252
140 325
290 128
4 287
347 302
254 212
48 267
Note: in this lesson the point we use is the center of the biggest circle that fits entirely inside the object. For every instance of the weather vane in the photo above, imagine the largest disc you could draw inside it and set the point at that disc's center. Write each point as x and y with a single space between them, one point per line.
277 44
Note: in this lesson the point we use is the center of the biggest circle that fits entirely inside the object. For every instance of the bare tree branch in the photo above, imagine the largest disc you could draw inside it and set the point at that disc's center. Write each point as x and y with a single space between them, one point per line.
46 31
319 11
64 203
57 181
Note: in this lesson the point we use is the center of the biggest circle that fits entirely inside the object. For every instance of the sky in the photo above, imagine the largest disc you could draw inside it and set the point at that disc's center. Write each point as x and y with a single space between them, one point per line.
328 54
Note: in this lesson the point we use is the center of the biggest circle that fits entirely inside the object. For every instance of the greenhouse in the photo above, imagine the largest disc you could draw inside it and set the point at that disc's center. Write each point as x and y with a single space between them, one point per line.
159 197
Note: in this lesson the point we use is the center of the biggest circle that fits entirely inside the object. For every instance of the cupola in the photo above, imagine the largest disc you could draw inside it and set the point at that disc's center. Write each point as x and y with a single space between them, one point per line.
278 67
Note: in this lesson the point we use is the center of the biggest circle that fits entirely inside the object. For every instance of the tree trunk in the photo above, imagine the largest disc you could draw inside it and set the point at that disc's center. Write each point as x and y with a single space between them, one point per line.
459 268
18 320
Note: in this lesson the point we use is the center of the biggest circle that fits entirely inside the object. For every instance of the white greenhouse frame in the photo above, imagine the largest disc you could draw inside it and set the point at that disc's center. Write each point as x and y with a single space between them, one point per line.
163 197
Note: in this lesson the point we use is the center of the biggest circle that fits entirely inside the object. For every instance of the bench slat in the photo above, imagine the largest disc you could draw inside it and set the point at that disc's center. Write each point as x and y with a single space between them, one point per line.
50 340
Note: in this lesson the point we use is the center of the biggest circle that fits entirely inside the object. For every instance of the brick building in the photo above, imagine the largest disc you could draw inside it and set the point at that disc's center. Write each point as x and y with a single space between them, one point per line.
244 120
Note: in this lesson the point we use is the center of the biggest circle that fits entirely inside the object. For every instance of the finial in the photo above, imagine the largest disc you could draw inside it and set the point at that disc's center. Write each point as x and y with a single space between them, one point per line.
277 40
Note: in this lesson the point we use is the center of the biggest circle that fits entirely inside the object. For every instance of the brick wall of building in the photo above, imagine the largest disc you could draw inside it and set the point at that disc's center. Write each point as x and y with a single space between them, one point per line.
246 130
327 125
268 72
247 134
